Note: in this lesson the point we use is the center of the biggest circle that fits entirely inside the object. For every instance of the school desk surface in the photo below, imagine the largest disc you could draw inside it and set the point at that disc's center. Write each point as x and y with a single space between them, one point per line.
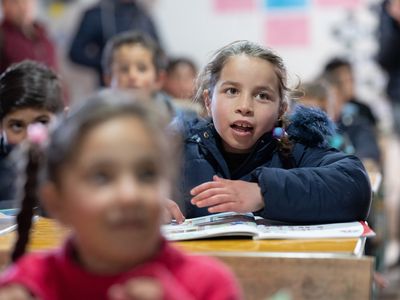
303 269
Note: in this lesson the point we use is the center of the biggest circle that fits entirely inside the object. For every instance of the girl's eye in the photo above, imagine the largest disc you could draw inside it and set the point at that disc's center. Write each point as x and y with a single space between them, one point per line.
142 68
123 69
231 91
100 178
147 175
44 121
17 127
263 96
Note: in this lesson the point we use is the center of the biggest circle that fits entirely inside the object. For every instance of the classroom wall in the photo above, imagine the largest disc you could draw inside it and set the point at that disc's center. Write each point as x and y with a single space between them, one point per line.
306 33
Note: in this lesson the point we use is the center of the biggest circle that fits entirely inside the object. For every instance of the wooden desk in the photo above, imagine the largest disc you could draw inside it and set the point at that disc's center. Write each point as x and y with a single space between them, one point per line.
323 269
305 269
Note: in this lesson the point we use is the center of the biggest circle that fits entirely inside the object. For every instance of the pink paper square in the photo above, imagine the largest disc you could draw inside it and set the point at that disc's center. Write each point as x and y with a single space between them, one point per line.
287 31
226 6
349 4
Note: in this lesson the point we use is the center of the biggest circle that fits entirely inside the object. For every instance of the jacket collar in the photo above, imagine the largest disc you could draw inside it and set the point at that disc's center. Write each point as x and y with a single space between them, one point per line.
204 133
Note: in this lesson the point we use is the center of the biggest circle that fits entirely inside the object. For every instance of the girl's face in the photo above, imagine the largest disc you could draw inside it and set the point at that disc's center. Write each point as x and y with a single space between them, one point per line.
21 12
15 124
111 196
133 68
245 102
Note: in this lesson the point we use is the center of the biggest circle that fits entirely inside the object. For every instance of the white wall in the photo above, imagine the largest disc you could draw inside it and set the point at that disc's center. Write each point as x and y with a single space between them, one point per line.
194 29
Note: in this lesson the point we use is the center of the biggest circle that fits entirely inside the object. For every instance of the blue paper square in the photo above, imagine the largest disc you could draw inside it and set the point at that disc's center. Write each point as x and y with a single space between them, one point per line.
285 4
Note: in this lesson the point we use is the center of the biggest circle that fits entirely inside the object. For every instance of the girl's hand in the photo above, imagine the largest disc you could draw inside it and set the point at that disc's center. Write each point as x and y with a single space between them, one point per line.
172 211
15 292
138 289
222 195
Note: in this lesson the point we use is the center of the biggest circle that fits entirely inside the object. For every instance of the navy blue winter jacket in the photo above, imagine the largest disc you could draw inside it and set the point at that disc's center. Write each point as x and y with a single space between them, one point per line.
324 186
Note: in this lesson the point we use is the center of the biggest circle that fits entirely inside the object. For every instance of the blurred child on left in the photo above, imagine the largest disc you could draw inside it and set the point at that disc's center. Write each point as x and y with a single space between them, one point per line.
108 168
29 93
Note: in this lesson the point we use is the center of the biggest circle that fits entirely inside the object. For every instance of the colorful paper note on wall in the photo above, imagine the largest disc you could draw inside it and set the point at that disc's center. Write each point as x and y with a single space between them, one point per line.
228 6
349 4
281 31
285 4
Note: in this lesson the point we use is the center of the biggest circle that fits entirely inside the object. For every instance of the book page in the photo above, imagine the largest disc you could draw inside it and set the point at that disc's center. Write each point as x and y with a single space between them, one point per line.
222 224
8 220
334 230
7 223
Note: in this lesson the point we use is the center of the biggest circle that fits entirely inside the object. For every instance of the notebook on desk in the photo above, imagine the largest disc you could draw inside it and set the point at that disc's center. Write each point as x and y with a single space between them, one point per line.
236 224
7 223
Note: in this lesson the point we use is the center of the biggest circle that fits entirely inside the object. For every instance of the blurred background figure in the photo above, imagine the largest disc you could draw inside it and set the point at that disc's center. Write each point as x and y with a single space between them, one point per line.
180 77
132 60
316 94
389 59
341 69
101 22
179 83
22 36
351 122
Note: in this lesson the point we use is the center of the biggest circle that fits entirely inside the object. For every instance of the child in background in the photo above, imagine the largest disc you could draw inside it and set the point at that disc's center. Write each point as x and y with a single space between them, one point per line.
316 95
29 93
108 167
249 158
22 37
133 60
342 70
352 123
180 78
179 83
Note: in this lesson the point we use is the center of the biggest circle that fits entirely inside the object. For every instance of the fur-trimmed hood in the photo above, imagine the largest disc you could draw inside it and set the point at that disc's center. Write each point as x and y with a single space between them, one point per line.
310 126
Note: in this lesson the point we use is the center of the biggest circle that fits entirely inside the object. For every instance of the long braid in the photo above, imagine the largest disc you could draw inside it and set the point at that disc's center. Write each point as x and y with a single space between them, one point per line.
29 199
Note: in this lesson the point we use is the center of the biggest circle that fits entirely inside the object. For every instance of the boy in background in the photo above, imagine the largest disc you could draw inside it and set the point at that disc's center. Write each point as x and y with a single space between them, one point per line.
132 60
342 70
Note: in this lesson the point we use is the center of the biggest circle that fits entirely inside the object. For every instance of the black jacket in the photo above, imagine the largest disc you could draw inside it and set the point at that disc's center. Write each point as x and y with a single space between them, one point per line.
325 185
102 22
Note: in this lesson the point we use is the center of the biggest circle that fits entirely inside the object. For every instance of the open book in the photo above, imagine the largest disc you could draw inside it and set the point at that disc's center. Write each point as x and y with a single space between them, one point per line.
7 223
234 224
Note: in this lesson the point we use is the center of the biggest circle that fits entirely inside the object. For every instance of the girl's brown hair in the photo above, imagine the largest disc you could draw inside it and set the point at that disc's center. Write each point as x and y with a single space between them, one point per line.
64 145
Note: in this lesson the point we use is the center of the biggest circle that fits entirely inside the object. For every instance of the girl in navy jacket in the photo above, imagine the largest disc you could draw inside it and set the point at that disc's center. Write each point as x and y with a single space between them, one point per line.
250 157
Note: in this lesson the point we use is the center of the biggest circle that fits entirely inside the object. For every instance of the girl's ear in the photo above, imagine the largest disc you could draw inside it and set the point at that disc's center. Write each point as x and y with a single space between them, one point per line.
50 199
207 101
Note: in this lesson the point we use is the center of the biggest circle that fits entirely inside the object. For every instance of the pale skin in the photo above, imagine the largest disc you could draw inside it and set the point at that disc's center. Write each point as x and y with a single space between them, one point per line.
110 184
247 92
133 68
222 195
20 12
